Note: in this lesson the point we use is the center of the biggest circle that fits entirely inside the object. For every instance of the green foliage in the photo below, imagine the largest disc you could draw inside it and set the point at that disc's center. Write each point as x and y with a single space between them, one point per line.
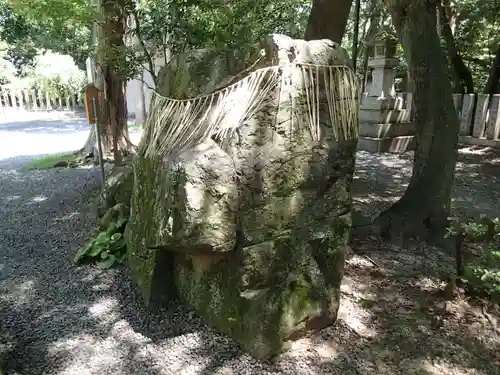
173 26
477 36
33 25
57 74
107 248
52 161
483 274
216 23
7 69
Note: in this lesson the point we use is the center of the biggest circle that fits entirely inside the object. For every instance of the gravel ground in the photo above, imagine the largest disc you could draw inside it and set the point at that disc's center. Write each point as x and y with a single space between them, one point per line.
58 319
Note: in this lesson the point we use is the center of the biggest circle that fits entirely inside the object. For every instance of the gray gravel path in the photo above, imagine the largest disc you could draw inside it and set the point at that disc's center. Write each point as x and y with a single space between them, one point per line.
60 319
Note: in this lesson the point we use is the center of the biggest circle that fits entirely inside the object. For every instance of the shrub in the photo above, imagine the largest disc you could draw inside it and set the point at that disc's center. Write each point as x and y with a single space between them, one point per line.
108 248
482 275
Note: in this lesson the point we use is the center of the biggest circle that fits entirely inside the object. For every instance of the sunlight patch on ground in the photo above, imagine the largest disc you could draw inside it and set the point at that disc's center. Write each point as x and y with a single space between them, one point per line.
474 150
104 310
357 261
427 284
20 294
39 198
181 349
97 356
369 198
428 367
304 347
68 217
98 280
357 318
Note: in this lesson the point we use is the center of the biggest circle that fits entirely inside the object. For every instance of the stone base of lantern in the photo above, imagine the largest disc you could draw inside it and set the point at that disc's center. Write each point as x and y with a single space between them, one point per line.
385 125
393 144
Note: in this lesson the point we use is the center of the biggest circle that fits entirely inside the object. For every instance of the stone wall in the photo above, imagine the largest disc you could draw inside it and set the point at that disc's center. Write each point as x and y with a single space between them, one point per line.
251 229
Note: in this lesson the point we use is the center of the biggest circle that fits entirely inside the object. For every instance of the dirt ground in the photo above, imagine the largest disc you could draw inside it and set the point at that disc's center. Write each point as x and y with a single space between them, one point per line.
393 319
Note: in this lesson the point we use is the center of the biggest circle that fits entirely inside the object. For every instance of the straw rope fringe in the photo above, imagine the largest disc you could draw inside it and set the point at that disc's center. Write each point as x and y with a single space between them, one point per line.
176 125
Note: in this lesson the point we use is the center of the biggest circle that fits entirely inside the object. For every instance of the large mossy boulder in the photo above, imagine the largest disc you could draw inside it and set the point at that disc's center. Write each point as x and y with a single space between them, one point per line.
251 231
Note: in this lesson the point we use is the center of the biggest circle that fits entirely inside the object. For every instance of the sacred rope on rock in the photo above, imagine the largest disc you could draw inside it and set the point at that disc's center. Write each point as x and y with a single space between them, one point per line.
175 125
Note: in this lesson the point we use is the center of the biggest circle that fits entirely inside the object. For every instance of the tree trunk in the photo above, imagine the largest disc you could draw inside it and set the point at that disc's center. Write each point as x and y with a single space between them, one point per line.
425 205
328 20
463 75
140 110
90 147
355 42
493 83
113 102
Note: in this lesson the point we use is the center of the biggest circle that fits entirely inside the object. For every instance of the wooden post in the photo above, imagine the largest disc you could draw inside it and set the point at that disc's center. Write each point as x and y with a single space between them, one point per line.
493 125
409 106
34 98
467 114
21 99
92 107
67 104
48 105
26 94
457 101
5 99
13 99
480 116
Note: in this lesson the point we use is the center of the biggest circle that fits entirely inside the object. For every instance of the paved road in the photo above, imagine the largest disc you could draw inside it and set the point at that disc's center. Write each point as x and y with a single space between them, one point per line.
27 134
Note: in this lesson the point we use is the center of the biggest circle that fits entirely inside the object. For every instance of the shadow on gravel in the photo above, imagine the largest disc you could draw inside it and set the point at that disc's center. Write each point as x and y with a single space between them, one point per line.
380 180
393 305
60 319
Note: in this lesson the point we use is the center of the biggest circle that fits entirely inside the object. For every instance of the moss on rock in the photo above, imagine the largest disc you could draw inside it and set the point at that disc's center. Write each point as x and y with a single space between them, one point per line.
251 231
118 189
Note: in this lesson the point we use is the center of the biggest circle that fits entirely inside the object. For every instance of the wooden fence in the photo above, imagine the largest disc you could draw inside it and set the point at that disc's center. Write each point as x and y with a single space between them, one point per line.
479 116
32 100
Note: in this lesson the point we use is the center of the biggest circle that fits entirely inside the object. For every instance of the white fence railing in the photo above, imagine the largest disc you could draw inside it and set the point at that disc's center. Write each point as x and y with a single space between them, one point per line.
33 99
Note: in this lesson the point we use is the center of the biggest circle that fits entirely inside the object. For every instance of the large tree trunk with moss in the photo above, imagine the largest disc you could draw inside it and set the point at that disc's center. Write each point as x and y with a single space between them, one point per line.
425 205
462 74
328 20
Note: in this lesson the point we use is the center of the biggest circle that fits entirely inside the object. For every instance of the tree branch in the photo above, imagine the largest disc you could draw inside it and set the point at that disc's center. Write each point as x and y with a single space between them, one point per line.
463 73
143 45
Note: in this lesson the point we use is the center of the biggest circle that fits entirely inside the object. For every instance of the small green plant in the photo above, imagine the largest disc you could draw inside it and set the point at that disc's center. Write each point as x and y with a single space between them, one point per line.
482 275
108 248
134 126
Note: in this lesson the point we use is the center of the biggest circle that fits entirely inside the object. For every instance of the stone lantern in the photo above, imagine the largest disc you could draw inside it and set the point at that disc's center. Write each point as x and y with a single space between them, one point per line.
384 118
383 64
